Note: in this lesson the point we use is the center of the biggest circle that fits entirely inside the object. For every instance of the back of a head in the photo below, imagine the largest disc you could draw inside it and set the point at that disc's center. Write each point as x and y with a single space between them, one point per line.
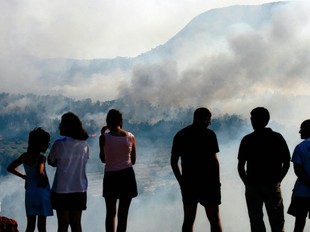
305 129
72 126
259 117
200 115
37 137
114 119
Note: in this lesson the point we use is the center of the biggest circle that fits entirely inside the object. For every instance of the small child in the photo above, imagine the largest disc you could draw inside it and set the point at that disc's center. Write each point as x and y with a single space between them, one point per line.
37 197
300 204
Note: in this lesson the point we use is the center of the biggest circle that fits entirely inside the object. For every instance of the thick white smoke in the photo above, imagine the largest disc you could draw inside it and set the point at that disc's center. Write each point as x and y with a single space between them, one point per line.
265 63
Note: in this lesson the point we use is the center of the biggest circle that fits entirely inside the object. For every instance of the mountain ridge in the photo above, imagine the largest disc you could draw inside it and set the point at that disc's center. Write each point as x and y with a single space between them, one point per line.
200 26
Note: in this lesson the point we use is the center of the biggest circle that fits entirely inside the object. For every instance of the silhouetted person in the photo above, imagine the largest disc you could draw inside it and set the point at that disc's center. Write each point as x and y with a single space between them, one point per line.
267 159
69 155
38 195
118 152
199 179
300 204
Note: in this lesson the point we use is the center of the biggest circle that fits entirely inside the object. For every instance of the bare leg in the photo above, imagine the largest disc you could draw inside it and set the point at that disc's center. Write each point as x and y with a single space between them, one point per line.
75 220
31 223
300 223
122 214
214 218
41 224
63 220
110 214
190 211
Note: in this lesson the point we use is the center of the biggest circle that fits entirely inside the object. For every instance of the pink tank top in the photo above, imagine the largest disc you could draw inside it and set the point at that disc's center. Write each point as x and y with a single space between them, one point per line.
117 150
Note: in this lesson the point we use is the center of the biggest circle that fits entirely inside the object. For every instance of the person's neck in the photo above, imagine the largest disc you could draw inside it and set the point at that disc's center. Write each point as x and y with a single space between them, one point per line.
33 152
260 129
117 131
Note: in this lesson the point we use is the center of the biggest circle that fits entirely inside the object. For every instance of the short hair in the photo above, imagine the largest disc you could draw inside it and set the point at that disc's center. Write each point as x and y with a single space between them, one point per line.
201 114
260 115
114 118
38 136
306 125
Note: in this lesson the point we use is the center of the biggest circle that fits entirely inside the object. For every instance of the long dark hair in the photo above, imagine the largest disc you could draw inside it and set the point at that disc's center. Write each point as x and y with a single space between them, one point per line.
71 126
114 119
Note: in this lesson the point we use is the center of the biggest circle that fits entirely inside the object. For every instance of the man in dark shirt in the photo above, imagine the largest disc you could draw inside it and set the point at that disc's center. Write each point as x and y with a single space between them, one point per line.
199 180
264 160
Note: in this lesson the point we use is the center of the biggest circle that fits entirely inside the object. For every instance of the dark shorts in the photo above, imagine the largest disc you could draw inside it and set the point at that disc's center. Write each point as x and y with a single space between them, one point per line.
299 207
206 196
120 184
69 201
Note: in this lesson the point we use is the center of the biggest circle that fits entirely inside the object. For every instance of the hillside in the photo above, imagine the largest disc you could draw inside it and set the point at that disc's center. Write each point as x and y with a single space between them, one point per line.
22 113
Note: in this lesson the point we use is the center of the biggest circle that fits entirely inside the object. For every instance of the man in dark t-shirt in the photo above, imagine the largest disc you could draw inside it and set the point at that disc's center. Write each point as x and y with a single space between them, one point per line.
264 160
199 180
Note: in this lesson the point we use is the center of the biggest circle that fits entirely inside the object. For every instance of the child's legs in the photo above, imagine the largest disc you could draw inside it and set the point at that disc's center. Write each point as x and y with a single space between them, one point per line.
31 223
42 223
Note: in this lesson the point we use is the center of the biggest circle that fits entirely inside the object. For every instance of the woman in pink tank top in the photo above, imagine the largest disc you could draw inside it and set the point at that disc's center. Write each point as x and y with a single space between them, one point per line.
118 153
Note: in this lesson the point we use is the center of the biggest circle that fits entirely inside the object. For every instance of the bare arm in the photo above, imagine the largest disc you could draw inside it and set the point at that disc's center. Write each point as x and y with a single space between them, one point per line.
102 143
301 174
133 151
286 159
241 170
42 161
53 164
101 150
285 168
174 162
12 168
43 178
217 167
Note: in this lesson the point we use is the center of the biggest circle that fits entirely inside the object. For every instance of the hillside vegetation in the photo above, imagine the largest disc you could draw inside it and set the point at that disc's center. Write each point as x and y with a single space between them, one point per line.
21 113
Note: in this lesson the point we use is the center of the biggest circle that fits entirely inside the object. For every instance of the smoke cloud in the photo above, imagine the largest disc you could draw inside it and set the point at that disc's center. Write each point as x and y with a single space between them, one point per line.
267 65
263 63
241 64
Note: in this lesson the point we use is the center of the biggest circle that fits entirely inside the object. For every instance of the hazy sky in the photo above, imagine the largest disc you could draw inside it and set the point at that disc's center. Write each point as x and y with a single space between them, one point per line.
268 65
96 28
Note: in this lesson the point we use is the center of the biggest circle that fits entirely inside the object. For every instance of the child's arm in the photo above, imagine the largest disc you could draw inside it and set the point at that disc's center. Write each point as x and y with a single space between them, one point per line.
42 161
12 167
43 178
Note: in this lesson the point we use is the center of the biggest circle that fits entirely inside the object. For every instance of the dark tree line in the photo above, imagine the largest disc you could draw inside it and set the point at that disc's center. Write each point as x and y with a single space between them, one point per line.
21 113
